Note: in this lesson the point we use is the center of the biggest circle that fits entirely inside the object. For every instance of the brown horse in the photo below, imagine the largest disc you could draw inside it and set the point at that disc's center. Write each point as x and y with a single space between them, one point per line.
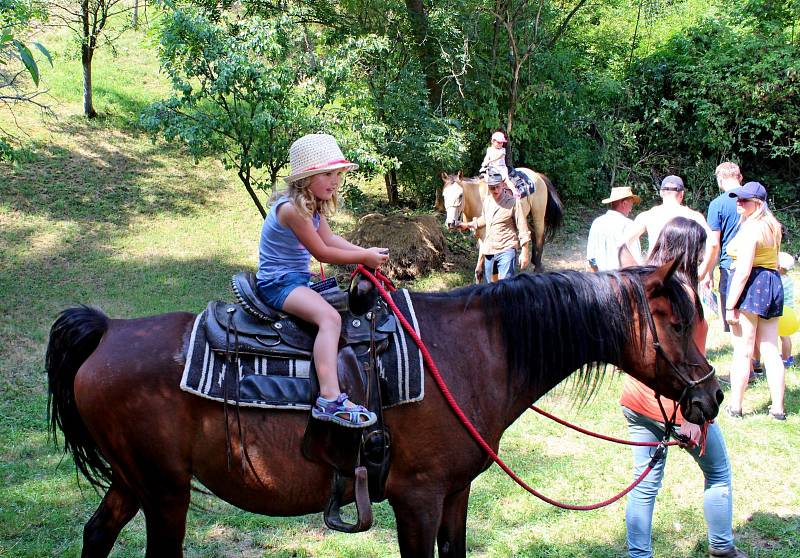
114 394
463 200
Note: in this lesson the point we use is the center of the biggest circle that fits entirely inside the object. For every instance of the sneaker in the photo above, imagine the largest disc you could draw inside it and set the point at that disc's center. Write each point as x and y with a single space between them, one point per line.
758 368
732 552
789 362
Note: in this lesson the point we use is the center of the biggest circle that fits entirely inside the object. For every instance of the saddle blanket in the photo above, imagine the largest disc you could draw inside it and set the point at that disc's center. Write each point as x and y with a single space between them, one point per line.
399 367
525 186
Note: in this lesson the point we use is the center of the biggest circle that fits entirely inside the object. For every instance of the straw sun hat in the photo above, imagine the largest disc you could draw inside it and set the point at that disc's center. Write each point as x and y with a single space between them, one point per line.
314 154
620 193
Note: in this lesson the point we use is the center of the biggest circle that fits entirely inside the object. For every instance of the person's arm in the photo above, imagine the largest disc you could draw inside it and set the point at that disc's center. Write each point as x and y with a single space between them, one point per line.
745 252
334 240
710 253
302 228
524 236
716 238
632 234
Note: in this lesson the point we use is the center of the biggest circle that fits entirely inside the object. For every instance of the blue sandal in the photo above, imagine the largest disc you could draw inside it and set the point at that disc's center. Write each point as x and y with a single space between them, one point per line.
337 412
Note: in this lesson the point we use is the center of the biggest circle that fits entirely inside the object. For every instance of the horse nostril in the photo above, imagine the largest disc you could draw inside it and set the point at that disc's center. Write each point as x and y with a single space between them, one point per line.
720 397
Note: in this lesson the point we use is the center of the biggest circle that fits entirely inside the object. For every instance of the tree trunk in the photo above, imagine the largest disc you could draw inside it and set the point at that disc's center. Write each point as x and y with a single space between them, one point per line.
244 176
425 51
135 17
86 62
390 179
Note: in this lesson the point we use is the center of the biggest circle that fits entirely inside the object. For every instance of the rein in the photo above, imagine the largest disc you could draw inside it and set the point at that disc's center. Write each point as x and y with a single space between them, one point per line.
669 423
377 279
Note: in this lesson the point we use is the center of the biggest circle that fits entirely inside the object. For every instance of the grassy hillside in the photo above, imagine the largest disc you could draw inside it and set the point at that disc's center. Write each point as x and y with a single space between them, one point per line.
99 214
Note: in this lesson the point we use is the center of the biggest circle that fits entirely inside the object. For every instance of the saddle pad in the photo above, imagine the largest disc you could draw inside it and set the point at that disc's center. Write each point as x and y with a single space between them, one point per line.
525 186
400 366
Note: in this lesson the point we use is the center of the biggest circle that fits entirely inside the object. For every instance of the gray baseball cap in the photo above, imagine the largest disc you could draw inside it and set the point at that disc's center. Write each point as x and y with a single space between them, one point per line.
672 183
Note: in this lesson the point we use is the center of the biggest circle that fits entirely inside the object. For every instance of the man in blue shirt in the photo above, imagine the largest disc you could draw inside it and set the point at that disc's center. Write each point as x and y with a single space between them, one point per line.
724 223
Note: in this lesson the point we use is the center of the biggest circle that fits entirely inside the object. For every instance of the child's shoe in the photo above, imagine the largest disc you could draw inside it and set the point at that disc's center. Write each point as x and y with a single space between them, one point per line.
337 411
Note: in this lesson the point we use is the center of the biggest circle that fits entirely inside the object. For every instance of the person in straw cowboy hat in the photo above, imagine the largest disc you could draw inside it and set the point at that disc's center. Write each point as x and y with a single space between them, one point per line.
608 230
295 229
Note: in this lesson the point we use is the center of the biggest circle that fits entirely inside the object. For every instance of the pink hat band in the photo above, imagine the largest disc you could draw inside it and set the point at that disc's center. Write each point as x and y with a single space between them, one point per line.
325 165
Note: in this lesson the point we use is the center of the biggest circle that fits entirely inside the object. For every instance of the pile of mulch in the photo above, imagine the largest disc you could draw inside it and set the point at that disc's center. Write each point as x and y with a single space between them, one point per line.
416 243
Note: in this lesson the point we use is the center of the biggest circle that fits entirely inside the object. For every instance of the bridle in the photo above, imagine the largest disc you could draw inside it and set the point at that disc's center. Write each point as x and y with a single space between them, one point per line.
688 382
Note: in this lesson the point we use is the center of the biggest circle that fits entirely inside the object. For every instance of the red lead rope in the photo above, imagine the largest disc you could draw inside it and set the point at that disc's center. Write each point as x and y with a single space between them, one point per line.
468 424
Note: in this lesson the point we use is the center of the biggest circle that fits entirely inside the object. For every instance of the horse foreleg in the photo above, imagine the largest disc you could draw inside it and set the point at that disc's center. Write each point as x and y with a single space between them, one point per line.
165 516
117 508
452 537
418 516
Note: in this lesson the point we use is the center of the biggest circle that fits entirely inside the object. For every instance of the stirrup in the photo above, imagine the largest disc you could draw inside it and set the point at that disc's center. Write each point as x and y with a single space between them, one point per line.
337 412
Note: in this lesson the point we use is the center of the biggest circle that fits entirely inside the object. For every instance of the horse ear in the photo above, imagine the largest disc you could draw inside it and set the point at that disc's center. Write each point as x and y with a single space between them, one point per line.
656 280
626 258
460 174
444 176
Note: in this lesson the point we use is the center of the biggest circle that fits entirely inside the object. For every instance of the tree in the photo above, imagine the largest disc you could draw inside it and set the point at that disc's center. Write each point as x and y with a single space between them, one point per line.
244 91
89 20
526 32
17 60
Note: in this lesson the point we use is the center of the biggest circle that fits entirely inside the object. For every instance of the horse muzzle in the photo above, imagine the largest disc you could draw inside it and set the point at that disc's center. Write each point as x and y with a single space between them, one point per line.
702 403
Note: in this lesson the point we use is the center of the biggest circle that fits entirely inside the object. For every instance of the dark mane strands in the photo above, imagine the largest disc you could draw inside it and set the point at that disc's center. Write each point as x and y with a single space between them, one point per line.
560 322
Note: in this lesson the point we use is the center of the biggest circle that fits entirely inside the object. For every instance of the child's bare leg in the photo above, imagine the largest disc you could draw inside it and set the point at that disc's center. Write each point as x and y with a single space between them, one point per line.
311 307
786 347
512 187
773 364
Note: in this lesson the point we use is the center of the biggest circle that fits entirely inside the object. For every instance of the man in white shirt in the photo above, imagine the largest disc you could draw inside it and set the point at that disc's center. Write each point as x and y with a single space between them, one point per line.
653 220
608 231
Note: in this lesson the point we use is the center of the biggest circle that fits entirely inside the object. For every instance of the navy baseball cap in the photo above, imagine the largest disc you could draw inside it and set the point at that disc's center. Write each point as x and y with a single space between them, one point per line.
673 183
751 190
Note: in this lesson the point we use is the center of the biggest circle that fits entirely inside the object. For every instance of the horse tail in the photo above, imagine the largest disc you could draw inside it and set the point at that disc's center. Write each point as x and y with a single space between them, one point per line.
73 338
554 212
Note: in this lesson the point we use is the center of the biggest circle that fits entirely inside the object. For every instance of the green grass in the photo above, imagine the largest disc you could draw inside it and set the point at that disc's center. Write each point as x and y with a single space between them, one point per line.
99 214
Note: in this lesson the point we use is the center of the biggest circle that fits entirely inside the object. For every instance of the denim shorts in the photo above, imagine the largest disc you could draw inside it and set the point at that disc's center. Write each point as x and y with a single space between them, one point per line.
275 289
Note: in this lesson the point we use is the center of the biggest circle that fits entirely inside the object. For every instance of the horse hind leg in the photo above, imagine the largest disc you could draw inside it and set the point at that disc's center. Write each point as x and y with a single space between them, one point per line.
118 507
452 537
165 517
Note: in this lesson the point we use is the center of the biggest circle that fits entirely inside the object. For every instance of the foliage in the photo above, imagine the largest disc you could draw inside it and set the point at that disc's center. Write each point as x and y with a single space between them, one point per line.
17 58
399 132
722 91
244 90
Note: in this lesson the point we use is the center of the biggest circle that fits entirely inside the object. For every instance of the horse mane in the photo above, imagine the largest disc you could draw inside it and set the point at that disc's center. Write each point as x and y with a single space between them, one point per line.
571 321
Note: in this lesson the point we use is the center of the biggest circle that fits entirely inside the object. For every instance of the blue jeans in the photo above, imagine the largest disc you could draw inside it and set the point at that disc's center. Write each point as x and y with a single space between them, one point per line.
276 289
717 497
505 262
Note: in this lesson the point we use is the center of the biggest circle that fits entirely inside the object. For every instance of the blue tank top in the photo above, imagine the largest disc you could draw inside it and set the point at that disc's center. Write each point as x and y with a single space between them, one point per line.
279 250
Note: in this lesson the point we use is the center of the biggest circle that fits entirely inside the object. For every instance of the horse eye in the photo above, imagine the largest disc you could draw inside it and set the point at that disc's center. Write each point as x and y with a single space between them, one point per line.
679 327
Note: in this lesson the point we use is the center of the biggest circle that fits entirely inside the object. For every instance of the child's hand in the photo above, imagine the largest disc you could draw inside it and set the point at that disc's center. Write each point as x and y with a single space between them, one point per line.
376 257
